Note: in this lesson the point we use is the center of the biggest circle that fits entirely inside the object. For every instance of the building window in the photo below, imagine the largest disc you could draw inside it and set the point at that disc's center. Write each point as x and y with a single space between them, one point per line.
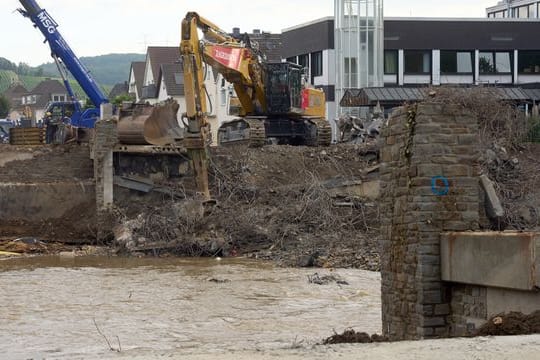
292 59
521 12
500 14
390 62
532 11
495 62
351 72
303 60
31 99
417 62
491 15
179 78
456 62
59 98
529 62
316 64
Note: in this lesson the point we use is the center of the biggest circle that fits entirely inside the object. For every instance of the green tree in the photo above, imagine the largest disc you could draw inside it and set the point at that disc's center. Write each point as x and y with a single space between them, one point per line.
5 107
88 104
121 98
23 69
5 64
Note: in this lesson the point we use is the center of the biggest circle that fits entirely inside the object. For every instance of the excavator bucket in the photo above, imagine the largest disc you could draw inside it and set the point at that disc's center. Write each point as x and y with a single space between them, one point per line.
150 125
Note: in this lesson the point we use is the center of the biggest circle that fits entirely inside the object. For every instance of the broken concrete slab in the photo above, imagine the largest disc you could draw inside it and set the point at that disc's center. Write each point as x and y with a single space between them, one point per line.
496 259
363 189
494 208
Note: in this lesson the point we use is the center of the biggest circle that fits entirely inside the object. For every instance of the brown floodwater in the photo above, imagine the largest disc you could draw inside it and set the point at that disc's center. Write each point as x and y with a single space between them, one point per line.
52 307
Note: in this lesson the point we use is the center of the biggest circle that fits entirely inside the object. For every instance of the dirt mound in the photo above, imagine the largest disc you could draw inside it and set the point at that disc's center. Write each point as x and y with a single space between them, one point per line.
280 203
40 164
514 323
352 337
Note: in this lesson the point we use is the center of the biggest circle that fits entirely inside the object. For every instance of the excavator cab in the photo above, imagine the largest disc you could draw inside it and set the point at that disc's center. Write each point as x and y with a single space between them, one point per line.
283 88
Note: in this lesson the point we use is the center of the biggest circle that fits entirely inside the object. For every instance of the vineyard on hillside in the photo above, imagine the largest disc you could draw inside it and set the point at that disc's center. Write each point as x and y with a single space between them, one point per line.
7 77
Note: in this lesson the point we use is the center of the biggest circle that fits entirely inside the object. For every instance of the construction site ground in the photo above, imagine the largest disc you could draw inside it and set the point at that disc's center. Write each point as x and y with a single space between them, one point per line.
293 205
297 206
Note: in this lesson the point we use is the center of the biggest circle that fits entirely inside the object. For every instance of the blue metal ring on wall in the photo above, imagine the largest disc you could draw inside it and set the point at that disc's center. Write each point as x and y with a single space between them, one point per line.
440 185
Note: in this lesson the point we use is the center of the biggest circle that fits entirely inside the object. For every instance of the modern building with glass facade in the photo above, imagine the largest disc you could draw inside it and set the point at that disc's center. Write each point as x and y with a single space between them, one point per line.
522 9
424 52
461 51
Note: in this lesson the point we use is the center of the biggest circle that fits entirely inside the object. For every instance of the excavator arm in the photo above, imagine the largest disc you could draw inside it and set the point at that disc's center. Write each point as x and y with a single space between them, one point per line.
237 63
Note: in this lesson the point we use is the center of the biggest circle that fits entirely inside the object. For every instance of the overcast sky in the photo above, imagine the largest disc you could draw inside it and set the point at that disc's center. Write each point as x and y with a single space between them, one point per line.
97 27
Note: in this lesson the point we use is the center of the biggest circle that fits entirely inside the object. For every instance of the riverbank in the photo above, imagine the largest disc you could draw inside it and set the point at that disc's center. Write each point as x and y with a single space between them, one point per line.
491 348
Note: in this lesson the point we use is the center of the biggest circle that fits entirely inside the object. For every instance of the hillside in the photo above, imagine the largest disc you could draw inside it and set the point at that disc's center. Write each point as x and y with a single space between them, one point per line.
106 69
7 77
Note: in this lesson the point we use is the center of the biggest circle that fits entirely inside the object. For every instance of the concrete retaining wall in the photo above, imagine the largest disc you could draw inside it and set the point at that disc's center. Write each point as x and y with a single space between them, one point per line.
47 192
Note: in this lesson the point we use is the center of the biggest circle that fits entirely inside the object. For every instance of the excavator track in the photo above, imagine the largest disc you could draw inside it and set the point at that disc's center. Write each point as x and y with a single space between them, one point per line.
257 132
246 131
251 131
324 132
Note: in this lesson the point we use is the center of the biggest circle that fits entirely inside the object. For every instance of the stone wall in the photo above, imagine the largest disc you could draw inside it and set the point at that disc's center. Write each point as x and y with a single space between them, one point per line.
429 178
469 308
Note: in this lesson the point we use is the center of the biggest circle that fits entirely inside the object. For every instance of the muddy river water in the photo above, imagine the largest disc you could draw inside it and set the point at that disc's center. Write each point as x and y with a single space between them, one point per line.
56 307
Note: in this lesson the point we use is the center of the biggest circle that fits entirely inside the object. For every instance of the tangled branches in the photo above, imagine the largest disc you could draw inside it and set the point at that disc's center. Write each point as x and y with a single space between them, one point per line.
277 200
499 121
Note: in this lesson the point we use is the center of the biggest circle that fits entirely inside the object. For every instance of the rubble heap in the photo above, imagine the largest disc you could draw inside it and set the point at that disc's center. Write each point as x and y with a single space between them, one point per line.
294 205
508 158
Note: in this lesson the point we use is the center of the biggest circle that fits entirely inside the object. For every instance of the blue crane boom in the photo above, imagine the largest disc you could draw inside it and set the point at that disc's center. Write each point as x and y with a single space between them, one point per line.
64 57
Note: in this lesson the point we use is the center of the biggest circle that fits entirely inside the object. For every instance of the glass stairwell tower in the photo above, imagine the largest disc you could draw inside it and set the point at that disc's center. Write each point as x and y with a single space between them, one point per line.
359 46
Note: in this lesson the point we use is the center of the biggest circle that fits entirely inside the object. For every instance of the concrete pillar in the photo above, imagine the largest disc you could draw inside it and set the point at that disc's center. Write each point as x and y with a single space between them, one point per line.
516 69
108 179
401 67
429 182
476 67
105 138
436 67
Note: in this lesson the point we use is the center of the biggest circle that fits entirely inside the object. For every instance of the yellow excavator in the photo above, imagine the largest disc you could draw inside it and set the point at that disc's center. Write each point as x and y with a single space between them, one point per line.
275 102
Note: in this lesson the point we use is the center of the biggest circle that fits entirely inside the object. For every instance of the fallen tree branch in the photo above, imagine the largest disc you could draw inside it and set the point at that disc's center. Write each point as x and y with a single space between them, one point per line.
106 339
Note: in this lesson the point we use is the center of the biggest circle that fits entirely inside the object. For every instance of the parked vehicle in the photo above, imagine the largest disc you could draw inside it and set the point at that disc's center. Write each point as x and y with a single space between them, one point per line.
5 125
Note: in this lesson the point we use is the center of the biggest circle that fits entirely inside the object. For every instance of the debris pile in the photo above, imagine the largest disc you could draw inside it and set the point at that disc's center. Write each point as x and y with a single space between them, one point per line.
350 336
355 130
514 323
34 246
298 206
326 279
507 160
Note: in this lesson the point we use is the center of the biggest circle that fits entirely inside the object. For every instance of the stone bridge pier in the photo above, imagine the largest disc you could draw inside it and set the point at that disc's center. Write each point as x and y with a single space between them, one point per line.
431 196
